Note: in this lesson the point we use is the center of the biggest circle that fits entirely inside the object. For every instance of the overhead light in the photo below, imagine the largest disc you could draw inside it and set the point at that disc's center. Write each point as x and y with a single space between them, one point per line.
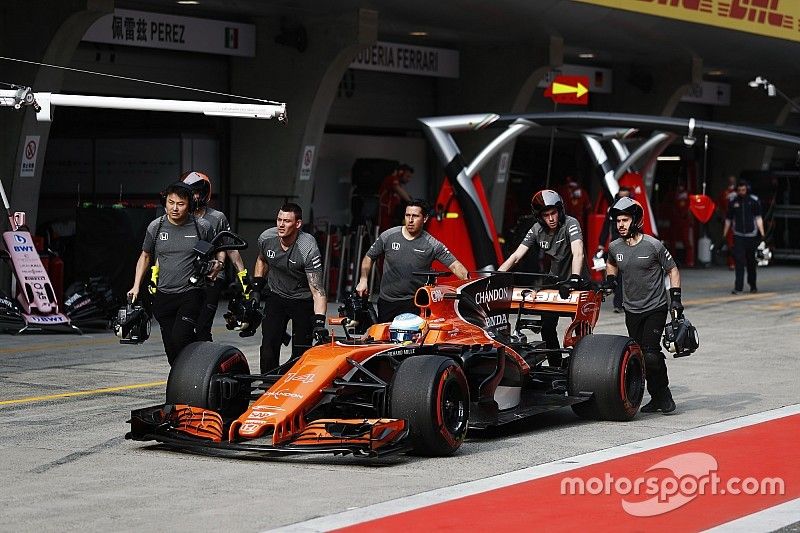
586 55
188 2
418 33
716 72
669 158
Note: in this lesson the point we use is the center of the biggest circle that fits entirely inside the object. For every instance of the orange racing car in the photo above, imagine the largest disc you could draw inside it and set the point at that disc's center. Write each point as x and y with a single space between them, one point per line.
369 395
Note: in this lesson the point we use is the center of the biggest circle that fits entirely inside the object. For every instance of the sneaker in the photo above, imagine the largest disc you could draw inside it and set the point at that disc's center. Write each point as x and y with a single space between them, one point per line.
734 291
753 289
665 404
618 310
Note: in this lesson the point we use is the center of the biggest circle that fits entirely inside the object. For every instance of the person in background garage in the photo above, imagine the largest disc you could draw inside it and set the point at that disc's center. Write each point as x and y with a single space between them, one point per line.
744 216
289 267
201 185
169 244
560 237
392 196
406 249
644 261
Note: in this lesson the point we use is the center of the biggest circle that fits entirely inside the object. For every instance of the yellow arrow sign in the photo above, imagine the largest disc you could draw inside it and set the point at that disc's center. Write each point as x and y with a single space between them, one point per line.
560 88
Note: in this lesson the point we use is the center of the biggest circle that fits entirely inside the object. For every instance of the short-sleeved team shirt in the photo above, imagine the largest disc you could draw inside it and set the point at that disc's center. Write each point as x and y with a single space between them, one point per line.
288 269
172 249
558 245
643 267
218 222
402 258
742 213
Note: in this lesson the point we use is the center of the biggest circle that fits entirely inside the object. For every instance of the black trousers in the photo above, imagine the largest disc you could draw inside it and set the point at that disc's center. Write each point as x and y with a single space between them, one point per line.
205 319
177 317
388 310
744 254
646 329
550 338
277 313
618 292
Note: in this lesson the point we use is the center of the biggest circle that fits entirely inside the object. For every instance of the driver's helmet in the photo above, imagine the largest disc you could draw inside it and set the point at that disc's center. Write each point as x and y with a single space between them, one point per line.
200 184
405 327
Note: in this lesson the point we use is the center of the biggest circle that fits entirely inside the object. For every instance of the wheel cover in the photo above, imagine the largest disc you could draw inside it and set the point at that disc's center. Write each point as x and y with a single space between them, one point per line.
631 379
452 408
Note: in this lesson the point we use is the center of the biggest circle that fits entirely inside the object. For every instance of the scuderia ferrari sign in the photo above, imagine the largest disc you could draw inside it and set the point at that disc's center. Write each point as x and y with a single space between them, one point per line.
190 34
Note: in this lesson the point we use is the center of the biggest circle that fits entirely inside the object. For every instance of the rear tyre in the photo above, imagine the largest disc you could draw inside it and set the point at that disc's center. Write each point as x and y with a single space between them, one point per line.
611 367
431 393
190 379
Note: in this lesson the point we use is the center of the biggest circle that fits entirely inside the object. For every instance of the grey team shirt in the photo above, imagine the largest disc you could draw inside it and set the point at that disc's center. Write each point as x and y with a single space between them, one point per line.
557 245
402 257
643 267
288 269
173 252
218 222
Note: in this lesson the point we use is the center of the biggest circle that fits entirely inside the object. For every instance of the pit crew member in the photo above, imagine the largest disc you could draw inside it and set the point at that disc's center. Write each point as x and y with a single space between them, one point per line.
288 276
201 185
169 243
560 237
744 216
406 249
644 261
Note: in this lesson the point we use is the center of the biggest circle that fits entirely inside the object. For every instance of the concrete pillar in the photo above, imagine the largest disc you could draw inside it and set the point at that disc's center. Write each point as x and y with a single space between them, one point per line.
44 32
266 157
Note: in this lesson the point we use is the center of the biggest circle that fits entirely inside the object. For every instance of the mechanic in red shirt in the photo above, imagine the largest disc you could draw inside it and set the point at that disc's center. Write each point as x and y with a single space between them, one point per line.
577 203
392 196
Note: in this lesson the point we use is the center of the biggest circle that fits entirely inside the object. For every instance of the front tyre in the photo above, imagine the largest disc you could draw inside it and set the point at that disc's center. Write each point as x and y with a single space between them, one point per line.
192 378
611 368
431 394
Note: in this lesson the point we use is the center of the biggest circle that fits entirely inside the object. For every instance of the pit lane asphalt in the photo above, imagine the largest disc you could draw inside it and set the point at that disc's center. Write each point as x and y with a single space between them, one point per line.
66 466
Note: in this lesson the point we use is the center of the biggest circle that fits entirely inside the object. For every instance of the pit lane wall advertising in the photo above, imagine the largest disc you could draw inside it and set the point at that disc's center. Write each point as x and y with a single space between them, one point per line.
772 18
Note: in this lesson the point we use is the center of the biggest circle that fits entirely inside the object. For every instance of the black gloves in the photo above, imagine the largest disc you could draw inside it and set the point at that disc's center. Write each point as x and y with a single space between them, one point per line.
610 283
675 305
255 289
321 334
573 282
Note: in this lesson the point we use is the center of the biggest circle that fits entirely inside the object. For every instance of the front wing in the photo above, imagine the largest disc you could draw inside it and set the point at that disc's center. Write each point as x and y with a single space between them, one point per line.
360 437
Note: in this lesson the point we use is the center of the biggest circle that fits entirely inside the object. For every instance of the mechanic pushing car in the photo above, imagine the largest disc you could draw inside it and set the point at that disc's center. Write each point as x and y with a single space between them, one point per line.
201 185
169 243
289 267
406 249
561 238
643 261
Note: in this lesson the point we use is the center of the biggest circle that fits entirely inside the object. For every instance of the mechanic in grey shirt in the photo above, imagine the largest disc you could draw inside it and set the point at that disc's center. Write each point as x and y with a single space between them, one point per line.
560 237
406 249
289 267
644 261
169 241
201 185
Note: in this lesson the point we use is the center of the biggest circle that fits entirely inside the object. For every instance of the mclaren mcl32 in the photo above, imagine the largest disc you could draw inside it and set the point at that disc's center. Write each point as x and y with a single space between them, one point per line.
369 395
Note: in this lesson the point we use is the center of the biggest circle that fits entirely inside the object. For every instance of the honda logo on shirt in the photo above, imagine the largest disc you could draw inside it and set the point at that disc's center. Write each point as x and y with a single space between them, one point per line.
271 254
395 246
620 257
163 236
544 245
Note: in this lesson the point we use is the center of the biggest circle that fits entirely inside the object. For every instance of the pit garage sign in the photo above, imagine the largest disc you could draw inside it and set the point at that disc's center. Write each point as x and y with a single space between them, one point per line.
572 90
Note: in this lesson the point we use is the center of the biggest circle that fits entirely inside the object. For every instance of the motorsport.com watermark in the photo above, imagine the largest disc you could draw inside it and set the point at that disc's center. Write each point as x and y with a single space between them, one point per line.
692 475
